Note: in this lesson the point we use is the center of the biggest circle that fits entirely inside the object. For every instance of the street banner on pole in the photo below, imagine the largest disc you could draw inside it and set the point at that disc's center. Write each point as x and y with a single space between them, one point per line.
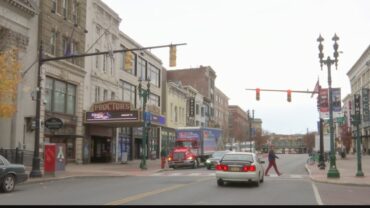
365 105
337 103
324 103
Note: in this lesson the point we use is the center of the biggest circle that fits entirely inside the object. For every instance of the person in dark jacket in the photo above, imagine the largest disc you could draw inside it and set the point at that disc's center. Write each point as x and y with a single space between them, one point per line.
163 157
272 156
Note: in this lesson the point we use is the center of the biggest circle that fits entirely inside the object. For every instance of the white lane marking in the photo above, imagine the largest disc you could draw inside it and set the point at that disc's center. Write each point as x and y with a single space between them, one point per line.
296 176
317 195
183 174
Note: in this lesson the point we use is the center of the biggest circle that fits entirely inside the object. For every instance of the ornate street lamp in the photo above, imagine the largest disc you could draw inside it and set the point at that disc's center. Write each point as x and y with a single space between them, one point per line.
144 95
36 172
333 171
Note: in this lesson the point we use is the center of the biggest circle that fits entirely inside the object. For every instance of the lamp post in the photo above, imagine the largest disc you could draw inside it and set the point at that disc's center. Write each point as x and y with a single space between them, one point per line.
356 120
36 172
144 94
250 129
333 171
321 164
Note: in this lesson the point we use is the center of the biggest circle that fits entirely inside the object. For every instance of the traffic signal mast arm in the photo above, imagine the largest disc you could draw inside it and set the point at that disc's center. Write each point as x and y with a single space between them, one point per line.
107 52
271 90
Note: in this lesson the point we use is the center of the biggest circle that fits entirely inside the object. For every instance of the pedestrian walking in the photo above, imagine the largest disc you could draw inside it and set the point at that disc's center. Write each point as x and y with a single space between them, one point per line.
163 157
272 156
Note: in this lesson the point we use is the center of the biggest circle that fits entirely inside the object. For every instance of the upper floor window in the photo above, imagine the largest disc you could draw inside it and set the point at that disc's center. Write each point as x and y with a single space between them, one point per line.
97 94
113 96
53 42
153 75
141 68
97 62
105 95
154 99
64 8
175 114
128 92
60 96
75 12
53 6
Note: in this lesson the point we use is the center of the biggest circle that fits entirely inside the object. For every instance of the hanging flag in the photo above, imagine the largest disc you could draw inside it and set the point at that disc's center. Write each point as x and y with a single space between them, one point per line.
316 89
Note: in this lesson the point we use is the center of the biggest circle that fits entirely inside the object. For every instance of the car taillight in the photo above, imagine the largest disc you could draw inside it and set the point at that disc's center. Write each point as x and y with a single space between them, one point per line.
222 167
251 168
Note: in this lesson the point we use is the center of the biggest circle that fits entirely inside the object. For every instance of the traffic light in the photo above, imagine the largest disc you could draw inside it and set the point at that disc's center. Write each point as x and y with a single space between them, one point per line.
257 93
289 97
128 59
172 56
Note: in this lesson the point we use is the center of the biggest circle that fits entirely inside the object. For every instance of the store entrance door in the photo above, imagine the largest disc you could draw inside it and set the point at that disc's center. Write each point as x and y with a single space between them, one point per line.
101 149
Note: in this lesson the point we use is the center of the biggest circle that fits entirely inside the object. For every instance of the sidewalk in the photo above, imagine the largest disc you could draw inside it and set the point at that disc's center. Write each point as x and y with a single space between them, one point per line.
347 169
73 170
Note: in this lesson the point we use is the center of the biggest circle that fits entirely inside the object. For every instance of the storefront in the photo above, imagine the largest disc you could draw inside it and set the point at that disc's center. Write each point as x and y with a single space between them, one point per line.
60 128
114 132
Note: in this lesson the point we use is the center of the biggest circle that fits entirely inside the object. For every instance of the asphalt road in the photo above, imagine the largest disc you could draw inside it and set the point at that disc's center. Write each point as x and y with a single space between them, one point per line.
189 187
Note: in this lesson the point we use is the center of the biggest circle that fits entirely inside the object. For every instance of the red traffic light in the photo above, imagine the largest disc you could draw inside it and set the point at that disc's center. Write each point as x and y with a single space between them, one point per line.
257 93
289 96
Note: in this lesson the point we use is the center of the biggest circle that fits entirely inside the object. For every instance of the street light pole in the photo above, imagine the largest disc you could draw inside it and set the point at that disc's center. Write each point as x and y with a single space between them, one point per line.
250 129
333 171
36 172
144 94
356 121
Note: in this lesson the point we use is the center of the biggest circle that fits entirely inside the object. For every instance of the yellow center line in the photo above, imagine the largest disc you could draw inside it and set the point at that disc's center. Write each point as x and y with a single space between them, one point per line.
151 193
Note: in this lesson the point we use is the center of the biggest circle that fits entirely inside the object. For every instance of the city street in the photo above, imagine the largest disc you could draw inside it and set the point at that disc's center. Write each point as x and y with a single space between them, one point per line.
190 187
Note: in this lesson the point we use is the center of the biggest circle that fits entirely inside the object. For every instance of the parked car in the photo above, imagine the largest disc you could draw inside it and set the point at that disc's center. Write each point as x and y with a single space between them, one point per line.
11 174
215 159
240 167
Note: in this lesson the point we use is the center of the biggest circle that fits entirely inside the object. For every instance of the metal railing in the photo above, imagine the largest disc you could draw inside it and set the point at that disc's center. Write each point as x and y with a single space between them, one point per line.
17 156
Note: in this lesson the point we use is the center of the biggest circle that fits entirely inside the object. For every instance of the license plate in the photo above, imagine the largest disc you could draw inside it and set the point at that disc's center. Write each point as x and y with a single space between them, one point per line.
234 169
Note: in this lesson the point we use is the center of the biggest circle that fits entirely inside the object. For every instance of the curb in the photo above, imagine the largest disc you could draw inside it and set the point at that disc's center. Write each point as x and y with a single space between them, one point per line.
333 181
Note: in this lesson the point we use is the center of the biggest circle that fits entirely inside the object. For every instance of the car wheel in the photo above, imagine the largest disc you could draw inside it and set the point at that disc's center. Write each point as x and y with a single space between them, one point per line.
8 183
257 183
220 182
261 181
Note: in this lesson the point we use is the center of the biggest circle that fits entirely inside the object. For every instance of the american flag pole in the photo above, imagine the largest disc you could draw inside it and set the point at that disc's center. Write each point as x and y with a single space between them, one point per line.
316 89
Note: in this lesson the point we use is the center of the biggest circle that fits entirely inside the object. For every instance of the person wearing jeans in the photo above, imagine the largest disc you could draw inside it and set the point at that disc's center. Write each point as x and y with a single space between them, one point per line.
272 156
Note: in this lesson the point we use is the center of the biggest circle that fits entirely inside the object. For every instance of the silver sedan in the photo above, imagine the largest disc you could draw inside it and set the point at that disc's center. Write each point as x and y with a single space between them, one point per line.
240 167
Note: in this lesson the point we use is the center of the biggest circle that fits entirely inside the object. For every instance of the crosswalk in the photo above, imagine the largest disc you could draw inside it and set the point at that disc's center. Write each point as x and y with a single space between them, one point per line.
213 174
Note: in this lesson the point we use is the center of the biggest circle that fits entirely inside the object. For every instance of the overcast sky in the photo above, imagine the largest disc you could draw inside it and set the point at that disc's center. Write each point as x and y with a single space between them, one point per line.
270 44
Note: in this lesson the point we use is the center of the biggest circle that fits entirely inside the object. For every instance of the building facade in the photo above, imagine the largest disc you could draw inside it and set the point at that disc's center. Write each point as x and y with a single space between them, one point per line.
238 124
221 114
195 108
115 81
18 30
62 32
359 77
203 80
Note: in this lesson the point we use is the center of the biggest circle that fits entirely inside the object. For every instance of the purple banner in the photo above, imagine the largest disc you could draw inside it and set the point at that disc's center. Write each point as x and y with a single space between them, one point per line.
112 116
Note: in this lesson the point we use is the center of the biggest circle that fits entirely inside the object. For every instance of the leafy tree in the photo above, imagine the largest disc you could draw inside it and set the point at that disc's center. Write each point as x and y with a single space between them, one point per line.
309 140
9 79
346 136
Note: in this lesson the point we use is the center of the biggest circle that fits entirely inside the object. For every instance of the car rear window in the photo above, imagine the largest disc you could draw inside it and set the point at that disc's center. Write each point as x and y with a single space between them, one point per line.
241 157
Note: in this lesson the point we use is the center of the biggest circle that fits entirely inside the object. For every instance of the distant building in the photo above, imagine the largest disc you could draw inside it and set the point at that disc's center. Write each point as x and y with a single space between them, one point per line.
222 113
238 124
203 80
